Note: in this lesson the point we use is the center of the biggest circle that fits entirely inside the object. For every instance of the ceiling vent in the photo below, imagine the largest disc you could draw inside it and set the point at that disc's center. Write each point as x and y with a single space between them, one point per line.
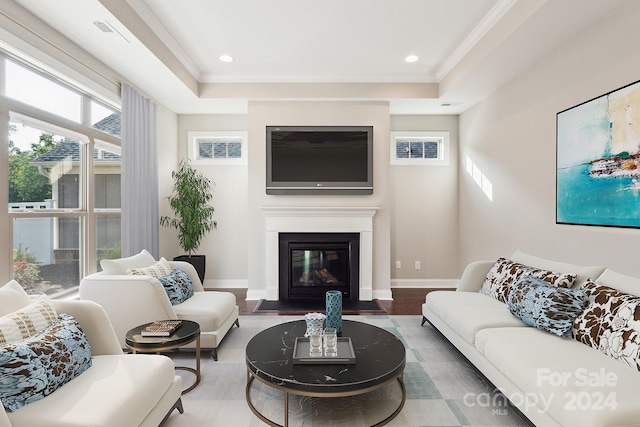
105 27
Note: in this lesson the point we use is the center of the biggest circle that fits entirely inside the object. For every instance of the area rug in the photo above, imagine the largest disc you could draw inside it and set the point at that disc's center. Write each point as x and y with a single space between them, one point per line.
306 306
443 388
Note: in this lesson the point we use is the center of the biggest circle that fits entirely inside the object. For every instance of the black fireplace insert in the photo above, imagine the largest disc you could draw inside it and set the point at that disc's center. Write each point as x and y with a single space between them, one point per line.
310 264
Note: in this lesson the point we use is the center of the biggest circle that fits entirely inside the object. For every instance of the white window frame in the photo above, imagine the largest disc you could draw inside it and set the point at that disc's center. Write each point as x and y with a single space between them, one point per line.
87 136
195 137
442 138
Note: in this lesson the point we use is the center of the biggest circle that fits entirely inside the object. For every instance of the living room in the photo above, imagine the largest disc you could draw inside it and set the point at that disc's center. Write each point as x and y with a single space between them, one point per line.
496 196
462 224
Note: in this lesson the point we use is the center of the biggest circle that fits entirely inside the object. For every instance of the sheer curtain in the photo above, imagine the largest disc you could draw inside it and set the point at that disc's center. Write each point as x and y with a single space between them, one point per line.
139 189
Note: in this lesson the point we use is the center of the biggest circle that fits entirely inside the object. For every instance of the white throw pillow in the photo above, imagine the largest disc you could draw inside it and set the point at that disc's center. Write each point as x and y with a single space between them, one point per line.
13 297
121 265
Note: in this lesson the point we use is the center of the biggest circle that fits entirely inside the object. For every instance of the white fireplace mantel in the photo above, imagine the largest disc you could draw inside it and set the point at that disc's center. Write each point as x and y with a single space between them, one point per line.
319 220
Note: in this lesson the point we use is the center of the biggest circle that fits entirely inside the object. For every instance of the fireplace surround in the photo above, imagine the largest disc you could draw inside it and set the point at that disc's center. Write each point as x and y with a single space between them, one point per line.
319 220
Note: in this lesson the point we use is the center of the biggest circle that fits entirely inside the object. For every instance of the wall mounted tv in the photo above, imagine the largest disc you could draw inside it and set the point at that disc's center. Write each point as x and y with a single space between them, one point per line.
319 159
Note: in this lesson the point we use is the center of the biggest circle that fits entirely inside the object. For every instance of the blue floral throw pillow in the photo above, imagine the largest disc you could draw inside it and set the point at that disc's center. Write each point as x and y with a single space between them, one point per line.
546 307
178 286
37 366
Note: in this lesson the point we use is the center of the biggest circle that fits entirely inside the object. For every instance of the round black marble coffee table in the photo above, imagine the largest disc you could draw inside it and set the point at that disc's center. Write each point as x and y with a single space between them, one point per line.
380 360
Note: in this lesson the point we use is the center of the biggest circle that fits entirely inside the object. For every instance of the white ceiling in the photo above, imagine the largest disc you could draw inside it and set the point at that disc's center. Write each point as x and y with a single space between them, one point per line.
467 48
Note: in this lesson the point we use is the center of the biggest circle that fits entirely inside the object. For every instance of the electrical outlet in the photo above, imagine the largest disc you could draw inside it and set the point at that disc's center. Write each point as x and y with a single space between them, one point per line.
398 264
417 265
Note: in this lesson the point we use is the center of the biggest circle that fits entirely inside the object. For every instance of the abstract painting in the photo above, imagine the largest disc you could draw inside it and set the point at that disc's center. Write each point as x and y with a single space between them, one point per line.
598 160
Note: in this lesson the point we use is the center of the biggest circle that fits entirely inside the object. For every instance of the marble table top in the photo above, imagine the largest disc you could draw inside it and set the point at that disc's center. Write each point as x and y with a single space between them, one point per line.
380 358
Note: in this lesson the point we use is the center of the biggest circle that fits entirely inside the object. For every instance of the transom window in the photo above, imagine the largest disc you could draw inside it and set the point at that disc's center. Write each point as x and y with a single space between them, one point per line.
419 148
218 147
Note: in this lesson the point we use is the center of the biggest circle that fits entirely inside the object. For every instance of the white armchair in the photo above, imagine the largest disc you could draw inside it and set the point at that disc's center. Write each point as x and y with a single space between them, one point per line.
117 390
132 300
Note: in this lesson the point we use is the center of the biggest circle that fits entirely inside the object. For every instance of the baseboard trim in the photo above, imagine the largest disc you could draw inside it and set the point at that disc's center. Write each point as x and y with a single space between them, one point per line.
256 294
382 294
424 283
212 284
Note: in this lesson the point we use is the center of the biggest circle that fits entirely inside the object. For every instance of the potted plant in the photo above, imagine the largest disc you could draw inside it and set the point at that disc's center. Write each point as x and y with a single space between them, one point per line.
189 201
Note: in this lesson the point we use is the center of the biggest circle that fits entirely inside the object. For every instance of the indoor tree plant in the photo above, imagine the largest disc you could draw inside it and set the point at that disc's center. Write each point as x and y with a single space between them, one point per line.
189 201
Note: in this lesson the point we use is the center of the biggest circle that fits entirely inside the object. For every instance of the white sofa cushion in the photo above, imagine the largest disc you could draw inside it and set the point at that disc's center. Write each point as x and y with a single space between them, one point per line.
621 282
13 297
579 384
469 312
209 309
116 391
121 265
582 272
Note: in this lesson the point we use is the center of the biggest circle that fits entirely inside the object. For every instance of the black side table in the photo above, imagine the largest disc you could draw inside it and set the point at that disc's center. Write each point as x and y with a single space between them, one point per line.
188 332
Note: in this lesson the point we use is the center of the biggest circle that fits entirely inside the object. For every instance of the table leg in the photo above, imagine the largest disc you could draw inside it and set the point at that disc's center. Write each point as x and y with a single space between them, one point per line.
286 409
198 358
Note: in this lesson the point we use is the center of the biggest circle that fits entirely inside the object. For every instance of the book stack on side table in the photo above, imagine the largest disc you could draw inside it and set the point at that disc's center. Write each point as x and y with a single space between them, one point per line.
161 328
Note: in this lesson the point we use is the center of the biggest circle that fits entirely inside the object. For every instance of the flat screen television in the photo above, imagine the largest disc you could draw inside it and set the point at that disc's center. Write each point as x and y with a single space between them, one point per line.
319 159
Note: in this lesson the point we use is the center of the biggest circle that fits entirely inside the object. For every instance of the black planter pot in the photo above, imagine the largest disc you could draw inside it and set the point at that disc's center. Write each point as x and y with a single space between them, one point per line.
198 262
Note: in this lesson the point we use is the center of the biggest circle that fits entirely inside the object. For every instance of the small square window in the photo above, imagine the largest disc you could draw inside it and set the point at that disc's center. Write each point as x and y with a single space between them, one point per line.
226 148
431 150
419 148
205 149
402 150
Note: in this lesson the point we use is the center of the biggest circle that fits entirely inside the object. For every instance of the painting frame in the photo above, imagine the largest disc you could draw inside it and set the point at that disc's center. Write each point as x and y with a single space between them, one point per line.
598 160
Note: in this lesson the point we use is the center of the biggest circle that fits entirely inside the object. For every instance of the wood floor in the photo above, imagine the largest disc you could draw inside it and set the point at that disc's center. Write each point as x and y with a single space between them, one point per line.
405 301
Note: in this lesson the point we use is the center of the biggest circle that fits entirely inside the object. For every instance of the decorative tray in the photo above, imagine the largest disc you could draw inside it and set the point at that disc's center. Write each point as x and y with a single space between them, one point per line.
345 354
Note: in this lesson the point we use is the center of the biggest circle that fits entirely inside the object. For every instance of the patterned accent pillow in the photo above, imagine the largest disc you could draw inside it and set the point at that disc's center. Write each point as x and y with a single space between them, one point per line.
610 323
505 273
622 339
159 269
26 322
178 286
37 366
550 308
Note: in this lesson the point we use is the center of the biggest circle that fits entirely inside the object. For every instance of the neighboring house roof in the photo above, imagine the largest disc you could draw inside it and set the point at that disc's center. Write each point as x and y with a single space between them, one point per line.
110 125
67 149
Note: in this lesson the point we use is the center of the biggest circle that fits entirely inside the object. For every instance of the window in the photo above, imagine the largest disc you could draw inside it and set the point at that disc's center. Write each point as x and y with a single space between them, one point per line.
225 148
28 86
63 220
419 148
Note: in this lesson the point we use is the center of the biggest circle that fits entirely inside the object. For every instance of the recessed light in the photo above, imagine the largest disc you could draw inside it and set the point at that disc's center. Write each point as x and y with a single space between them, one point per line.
226 58
411 58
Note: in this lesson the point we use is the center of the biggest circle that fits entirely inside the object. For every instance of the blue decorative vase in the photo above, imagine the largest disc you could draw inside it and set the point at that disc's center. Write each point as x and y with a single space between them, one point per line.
334 310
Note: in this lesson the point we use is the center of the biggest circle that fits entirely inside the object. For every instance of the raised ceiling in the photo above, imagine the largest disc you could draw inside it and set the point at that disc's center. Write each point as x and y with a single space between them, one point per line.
320 50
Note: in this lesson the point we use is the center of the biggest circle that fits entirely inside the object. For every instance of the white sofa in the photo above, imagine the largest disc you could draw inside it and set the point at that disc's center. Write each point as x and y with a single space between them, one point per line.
553 381
117 390
132 300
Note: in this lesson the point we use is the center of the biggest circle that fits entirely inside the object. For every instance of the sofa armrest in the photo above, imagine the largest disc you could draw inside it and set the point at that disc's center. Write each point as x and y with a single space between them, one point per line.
474 275
191 272
129 300
94 323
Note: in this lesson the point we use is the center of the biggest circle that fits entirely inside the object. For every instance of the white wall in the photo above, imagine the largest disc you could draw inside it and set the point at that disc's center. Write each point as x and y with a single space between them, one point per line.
424 211
226 246
262 114
511 137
